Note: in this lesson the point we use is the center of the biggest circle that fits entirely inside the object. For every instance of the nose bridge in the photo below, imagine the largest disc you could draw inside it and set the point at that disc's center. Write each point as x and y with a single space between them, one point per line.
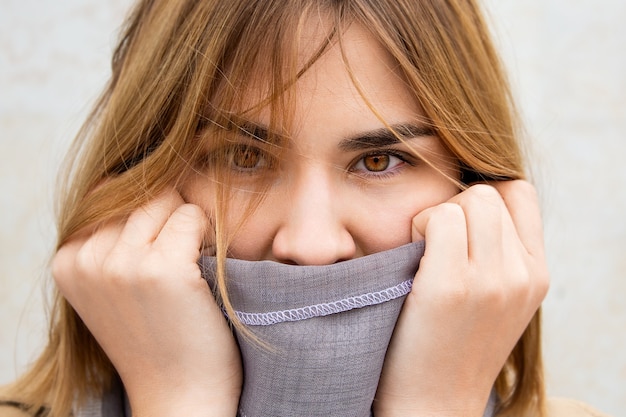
312 194
313 230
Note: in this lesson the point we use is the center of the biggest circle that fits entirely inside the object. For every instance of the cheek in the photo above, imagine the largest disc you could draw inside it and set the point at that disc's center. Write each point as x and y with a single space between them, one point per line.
249 241
198 190
377 218
252 243
384 222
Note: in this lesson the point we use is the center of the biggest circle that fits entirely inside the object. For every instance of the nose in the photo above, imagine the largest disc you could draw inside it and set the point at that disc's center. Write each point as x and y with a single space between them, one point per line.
314 229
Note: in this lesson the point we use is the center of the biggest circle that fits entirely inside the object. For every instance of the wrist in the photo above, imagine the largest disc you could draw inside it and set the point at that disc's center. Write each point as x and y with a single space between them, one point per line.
426 412
416 408
200 403
185 408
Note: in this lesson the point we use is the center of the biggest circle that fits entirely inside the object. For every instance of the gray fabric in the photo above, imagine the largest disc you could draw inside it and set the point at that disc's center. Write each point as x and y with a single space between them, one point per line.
110 406
115 400
93 407
492 404
328 328
326 353
113 403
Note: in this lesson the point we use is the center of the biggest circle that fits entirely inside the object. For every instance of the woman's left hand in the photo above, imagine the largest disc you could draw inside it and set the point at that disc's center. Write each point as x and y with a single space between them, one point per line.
482 278
137 286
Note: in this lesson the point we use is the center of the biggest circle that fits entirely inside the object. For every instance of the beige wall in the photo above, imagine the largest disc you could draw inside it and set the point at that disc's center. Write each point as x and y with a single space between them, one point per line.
568 68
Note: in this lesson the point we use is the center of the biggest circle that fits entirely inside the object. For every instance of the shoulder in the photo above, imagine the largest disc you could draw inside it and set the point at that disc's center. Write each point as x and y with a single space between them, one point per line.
562 407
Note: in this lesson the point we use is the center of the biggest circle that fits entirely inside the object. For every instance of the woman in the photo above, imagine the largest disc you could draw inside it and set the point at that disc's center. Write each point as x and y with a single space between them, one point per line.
307 133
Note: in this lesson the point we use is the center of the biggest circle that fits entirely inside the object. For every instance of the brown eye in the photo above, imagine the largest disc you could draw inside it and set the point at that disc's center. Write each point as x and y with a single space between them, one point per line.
246 157
376 163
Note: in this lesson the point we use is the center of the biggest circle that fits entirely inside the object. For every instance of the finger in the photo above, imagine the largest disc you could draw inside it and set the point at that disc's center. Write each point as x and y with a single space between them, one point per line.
484 211
144 224
444 228
521 201
80 259
183 232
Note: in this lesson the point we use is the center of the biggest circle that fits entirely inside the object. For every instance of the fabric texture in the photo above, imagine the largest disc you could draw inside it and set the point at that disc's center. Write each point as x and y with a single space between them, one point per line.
327 328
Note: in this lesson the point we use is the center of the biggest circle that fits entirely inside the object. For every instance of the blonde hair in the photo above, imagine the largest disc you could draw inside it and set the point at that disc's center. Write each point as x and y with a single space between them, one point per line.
180 69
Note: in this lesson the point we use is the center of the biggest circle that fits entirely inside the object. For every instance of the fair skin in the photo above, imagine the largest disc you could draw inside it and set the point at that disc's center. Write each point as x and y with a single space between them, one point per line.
329 199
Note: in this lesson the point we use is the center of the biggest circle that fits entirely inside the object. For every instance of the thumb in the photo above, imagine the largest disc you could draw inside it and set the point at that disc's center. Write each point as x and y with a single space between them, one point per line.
420 223
444 227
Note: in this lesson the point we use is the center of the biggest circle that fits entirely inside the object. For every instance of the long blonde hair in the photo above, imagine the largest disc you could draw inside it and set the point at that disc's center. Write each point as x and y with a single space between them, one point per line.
181 67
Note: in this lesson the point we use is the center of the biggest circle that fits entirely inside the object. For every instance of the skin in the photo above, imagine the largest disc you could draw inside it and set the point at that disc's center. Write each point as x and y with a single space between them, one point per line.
323 205
482 277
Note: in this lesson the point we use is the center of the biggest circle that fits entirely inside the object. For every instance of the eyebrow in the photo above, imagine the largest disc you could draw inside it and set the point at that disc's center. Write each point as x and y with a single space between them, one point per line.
382 137
252 130
376 138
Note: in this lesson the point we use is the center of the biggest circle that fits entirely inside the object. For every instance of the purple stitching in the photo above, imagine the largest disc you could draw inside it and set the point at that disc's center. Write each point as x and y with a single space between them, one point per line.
325 309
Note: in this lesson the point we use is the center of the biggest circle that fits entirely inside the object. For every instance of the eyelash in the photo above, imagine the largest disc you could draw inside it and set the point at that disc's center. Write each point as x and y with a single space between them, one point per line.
268 162
260 158
388 172
225 158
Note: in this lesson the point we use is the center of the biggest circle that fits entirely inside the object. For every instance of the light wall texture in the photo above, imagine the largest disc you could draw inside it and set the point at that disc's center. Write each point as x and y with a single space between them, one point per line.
568 69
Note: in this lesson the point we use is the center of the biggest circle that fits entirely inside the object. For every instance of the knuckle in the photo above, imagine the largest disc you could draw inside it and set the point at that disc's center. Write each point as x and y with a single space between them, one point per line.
495 298
60 266
151 267
483 200
188 218
84 261
524 187
190 212
521 282
484 193
491 292
448 212
530 285
112 271
158 268
116 268
542 283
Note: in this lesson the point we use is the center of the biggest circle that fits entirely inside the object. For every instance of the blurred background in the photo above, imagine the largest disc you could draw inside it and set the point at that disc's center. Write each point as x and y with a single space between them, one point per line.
568 68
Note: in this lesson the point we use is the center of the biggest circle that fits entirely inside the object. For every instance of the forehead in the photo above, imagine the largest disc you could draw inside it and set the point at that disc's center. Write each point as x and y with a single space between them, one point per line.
331 68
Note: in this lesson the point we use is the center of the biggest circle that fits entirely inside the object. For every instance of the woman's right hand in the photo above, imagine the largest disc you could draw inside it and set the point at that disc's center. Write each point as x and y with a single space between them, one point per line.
480 281
138 288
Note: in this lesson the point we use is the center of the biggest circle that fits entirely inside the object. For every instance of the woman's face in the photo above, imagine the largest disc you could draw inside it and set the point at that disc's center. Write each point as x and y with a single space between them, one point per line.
343 186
